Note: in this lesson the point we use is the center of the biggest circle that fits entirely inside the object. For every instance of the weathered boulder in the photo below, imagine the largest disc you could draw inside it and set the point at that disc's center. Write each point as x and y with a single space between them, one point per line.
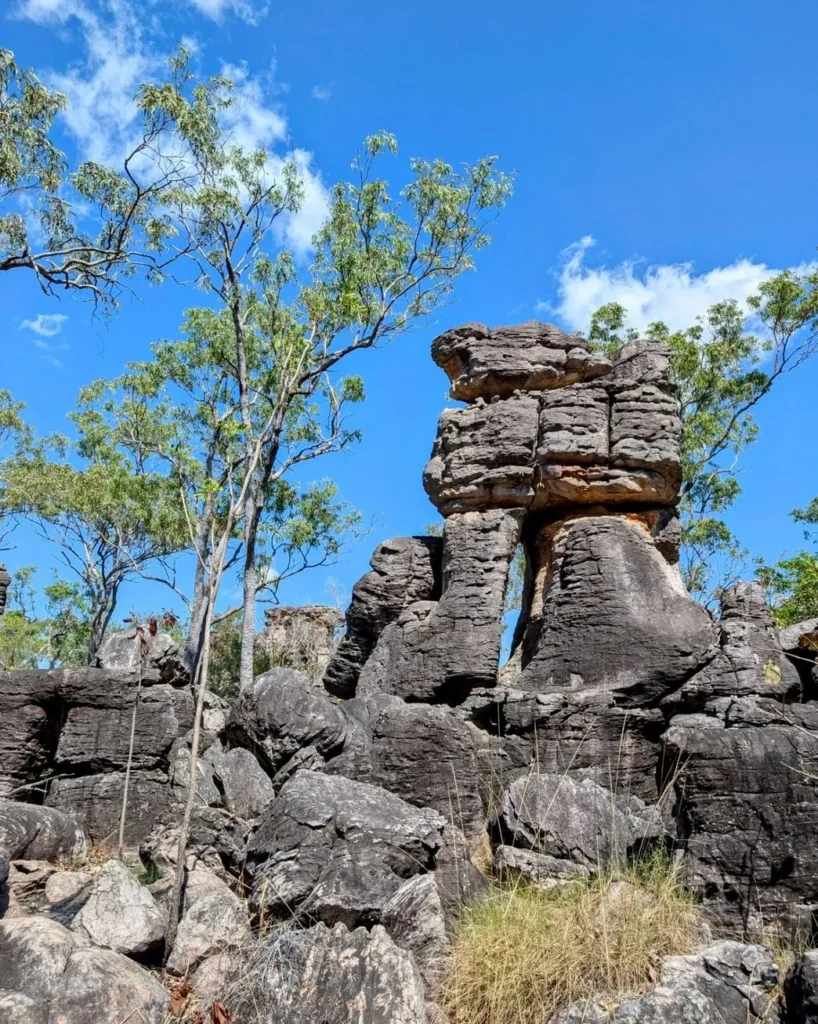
279 714
130 649
96 801
47 974
404 570
414 918
300 637
745 778
334 976
29 832
423 753
439 652
574 821
246 786
610 439
615 616
214 923
800 641
728 983
512 862
119 913
332 849
64 885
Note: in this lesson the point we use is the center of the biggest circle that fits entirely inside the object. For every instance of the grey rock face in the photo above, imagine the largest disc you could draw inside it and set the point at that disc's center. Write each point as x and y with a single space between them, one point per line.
336 976
801 990
440 651
76 722
96 801
616 617
332 849
573 821
246 786
52 978
425 754
728 983
576 733
279 713
119 913
484 362
404 570
28 832
214 923
745 805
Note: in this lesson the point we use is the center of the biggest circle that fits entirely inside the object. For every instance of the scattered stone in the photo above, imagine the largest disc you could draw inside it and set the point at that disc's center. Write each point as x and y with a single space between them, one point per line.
64 885
335 976
120 914
215 922
728 983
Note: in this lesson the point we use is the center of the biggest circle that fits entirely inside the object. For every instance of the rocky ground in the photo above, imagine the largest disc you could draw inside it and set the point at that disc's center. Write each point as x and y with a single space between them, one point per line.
343 822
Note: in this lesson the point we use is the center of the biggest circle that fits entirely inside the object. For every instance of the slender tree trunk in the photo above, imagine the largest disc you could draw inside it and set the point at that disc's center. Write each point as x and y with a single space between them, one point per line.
174 907
123 816
248 629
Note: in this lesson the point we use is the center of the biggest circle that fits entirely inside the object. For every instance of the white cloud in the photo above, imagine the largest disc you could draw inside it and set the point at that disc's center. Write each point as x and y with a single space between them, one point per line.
102 84
247 10
119 53
673 293
320 92
46 325
252 122
298 228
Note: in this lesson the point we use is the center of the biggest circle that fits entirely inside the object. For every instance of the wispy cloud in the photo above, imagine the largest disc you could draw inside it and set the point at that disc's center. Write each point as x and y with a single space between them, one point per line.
673 293
247 10
321 92
46 325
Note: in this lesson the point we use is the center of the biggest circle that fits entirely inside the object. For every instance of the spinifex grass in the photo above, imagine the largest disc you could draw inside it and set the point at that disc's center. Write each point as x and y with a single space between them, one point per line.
522 953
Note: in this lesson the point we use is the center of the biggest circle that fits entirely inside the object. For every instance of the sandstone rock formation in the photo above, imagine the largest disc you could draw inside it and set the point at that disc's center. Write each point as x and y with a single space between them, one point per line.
302 638
349 818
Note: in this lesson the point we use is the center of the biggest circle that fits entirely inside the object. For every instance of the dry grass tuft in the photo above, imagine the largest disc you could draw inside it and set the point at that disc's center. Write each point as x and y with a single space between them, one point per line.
523 953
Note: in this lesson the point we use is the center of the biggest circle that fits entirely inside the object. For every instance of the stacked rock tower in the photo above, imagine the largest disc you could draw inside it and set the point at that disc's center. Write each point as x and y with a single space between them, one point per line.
574 455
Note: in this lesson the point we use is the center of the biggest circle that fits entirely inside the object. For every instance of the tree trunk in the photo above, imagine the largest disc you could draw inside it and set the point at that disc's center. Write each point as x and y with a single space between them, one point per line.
249 582
174 906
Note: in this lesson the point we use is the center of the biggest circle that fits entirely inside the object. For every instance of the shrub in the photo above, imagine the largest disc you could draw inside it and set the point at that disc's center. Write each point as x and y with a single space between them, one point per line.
523 952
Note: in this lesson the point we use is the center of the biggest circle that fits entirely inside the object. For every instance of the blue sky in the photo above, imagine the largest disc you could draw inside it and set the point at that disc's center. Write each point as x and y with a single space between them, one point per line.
673 136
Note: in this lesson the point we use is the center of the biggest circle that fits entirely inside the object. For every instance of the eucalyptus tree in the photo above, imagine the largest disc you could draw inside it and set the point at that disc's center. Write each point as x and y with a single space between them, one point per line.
109 520
85 230
379 264
722 369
